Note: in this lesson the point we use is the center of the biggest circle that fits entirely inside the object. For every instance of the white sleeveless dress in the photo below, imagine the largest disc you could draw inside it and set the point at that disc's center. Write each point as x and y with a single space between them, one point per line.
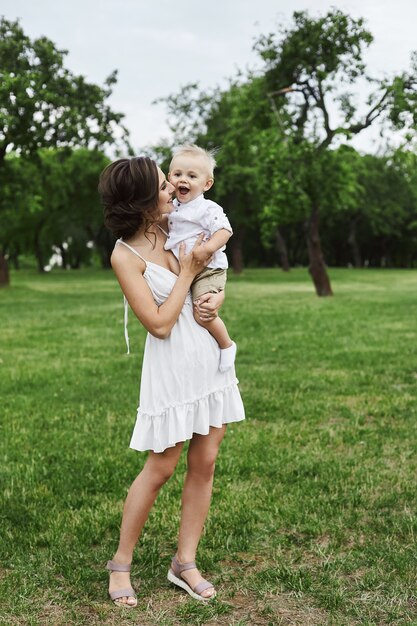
182 390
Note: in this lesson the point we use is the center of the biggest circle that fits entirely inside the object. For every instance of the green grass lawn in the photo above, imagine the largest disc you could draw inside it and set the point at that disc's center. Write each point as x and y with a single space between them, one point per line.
313 519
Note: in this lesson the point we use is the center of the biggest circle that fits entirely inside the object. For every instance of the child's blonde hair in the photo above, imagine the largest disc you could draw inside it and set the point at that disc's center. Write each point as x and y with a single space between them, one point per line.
191 148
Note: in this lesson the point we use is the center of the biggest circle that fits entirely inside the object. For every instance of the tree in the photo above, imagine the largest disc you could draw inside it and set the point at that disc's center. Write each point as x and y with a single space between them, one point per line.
387 208
84 213
309 71
54 203
43 104
20 200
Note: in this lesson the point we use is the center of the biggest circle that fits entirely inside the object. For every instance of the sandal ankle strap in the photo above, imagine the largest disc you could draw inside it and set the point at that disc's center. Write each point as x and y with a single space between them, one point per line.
117 567
178 567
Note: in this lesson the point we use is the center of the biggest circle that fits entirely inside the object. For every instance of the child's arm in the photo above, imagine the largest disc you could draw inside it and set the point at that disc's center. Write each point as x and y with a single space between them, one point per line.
209 247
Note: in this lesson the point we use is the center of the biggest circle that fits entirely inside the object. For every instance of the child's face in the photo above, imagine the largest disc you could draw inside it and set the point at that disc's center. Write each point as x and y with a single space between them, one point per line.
190 175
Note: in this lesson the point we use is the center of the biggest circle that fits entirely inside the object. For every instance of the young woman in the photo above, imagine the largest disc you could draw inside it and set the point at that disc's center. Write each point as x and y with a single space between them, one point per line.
183 394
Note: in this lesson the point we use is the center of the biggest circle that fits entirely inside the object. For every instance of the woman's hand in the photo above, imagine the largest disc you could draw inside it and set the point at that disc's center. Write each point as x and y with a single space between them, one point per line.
208 305
202 253
196 260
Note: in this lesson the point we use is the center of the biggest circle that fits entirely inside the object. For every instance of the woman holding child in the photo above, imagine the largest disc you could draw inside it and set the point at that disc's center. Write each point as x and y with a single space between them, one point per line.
188 385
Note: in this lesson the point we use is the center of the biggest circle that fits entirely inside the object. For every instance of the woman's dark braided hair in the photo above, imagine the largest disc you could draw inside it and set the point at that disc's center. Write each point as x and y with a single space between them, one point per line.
129 190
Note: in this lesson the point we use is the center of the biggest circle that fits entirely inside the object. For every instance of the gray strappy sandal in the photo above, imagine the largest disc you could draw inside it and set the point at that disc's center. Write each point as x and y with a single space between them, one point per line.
128 592
174 576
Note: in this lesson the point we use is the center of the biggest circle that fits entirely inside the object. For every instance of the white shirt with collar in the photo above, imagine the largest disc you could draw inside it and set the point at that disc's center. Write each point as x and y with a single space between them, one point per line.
187 221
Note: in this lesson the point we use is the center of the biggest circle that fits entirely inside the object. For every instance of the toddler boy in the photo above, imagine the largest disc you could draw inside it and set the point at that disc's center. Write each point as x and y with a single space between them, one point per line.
191 173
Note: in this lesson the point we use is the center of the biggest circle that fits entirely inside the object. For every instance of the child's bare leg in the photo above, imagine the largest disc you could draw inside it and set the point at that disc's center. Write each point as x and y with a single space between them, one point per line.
217 328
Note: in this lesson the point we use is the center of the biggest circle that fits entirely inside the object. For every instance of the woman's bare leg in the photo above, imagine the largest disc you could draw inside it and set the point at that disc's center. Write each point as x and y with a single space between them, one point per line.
196 498
157 470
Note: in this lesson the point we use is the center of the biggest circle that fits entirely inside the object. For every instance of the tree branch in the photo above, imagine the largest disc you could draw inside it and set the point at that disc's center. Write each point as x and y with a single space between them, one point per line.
302 119
322 106
370 117
283 91
275 110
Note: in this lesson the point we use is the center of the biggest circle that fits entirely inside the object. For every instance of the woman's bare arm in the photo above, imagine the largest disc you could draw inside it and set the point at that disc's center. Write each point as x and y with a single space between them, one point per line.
158 320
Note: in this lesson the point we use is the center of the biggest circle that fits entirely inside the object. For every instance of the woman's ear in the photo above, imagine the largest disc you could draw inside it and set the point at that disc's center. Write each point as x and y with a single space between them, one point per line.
208 184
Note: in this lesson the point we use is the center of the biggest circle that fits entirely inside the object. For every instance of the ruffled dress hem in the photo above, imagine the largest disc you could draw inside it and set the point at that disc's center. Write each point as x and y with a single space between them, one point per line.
178 423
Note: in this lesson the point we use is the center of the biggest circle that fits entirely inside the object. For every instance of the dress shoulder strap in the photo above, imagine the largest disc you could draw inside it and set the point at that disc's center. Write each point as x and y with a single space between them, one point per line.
163 230
120 241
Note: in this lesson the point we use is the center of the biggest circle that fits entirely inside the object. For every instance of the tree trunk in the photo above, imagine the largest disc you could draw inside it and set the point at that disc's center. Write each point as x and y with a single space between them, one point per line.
4 272
317 267
104 243
14 258
64 257
353 242
38 250
75 263
281 247
237 251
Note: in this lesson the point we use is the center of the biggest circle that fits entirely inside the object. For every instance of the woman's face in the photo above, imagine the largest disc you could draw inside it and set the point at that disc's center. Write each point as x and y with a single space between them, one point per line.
165 194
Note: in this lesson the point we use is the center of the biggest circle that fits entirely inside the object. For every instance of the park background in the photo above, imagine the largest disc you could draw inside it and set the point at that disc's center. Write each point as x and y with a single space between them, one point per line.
313 518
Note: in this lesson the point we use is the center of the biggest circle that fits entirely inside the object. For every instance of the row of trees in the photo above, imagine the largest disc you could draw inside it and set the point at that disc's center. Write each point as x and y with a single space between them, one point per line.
369 211
51 204
294 189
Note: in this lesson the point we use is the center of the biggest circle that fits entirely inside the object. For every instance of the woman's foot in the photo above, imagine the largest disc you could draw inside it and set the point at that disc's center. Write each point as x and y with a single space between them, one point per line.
194 578
120 589
187 576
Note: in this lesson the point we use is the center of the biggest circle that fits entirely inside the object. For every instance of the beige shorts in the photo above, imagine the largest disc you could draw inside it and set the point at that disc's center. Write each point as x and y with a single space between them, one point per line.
210 280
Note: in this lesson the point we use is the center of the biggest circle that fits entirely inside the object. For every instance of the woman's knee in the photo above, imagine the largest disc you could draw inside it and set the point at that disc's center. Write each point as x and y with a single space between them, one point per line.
163 474
202 465
203 451
160 468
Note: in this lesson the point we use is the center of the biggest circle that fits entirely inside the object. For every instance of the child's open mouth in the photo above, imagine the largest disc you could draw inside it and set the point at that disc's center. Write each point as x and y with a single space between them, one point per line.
183 190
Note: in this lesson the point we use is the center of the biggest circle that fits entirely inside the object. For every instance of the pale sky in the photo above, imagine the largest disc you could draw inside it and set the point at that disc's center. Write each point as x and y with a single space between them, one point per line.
158 47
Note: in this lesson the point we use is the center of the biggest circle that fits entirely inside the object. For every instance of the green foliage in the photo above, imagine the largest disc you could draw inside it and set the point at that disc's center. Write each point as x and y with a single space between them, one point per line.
306 67
187 111
43 104
233 127
51 201
403 98
319 60
315 49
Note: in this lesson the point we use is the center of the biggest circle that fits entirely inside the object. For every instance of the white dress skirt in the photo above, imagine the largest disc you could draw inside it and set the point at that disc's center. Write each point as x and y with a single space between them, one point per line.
182 390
